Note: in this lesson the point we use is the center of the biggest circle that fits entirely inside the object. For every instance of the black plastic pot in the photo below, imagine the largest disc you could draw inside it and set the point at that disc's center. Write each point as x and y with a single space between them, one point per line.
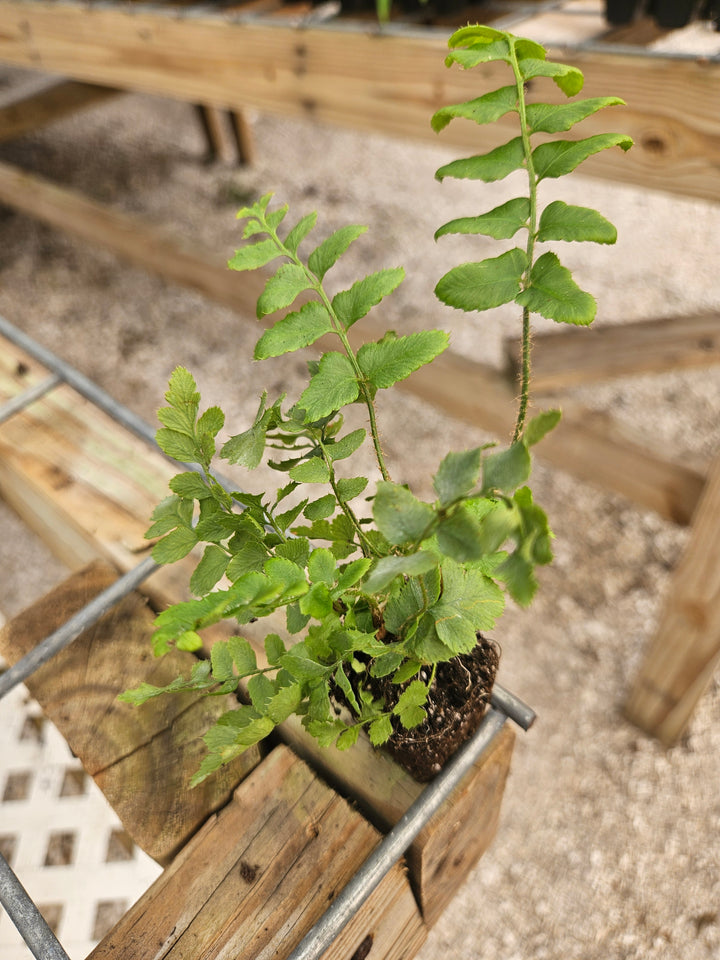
672 14
618 12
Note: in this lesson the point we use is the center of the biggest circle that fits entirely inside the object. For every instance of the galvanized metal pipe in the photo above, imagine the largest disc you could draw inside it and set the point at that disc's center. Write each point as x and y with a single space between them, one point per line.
24 399
30 923
513 707
72 628
92 392
389 851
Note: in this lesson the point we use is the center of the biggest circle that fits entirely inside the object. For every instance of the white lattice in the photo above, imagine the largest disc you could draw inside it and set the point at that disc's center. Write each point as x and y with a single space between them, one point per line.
60 835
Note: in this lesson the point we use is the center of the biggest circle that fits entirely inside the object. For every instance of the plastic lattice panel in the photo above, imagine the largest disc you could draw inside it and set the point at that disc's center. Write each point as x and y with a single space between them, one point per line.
60 836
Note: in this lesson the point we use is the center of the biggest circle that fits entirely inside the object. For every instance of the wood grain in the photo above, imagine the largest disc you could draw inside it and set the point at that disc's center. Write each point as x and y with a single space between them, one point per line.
682 657
450 845
261 873
574 357
141 757
361 78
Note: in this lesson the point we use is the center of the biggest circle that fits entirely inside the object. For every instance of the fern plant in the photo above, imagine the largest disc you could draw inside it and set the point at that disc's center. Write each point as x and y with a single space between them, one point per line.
395 594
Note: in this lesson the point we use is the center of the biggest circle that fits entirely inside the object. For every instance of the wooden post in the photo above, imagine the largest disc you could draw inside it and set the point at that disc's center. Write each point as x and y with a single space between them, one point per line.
228 134
214 127
243 134
683 655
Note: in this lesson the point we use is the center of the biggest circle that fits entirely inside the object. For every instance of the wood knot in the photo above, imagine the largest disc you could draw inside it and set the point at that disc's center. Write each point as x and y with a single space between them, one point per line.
248 871
364 949
656 145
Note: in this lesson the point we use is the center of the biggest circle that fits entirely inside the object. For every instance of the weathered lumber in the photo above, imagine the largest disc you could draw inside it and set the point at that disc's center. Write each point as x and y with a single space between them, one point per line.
97 502
26 111
82 483
682 657
572 357
130 238
389 82
450 845
260 873
142 758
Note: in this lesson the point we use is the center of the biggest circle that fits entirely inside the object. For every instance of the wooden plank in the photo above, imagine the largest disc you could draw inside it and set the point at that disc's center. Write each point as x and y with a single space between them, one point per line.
83 484
685 651
141 758
261 873
27 111
130 238
572 358
389 82
449 847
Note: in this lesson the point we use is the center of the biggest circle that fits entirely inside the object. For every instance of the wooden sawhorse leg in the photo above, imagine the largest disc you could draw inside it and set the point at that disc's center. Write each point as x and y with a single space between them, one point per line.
681 658
228 134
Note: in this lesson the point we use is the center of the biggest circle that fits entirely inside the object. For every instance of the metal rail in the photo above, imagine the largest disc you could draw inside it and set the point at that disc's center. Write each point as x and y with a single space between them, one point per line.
396 842
62 371
13 896
27 918
77 624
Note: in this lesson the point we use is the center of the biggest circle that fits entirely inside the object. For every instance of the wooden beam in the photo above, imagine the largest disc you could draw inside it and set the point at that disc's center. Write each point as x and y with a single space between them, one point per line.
243 136
130 238
575 357
389 81
588 444
26 111
261 873
141 758
685 651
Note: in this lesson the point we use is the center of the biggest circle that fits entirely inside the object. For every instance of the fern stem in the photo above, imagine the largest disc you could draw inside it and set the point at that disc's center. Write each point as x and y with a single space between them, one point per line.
365 545
530 248
362 382
339 330
524 376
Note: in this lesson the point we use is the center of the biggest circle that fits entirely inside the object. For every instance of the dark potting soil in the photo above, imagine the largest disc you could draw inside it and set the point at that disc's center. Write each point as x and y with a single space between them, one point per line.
458 701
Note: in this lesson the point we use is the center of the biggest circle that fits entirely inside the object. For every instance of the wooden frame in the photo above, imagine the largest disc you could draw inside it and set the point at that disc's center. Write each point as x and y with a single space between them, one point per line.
389 81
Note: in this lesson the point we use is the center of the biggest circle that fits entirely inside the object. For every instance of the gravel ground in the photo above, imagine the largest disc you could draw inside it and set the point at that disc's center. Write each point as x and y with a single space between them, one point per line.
608 845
